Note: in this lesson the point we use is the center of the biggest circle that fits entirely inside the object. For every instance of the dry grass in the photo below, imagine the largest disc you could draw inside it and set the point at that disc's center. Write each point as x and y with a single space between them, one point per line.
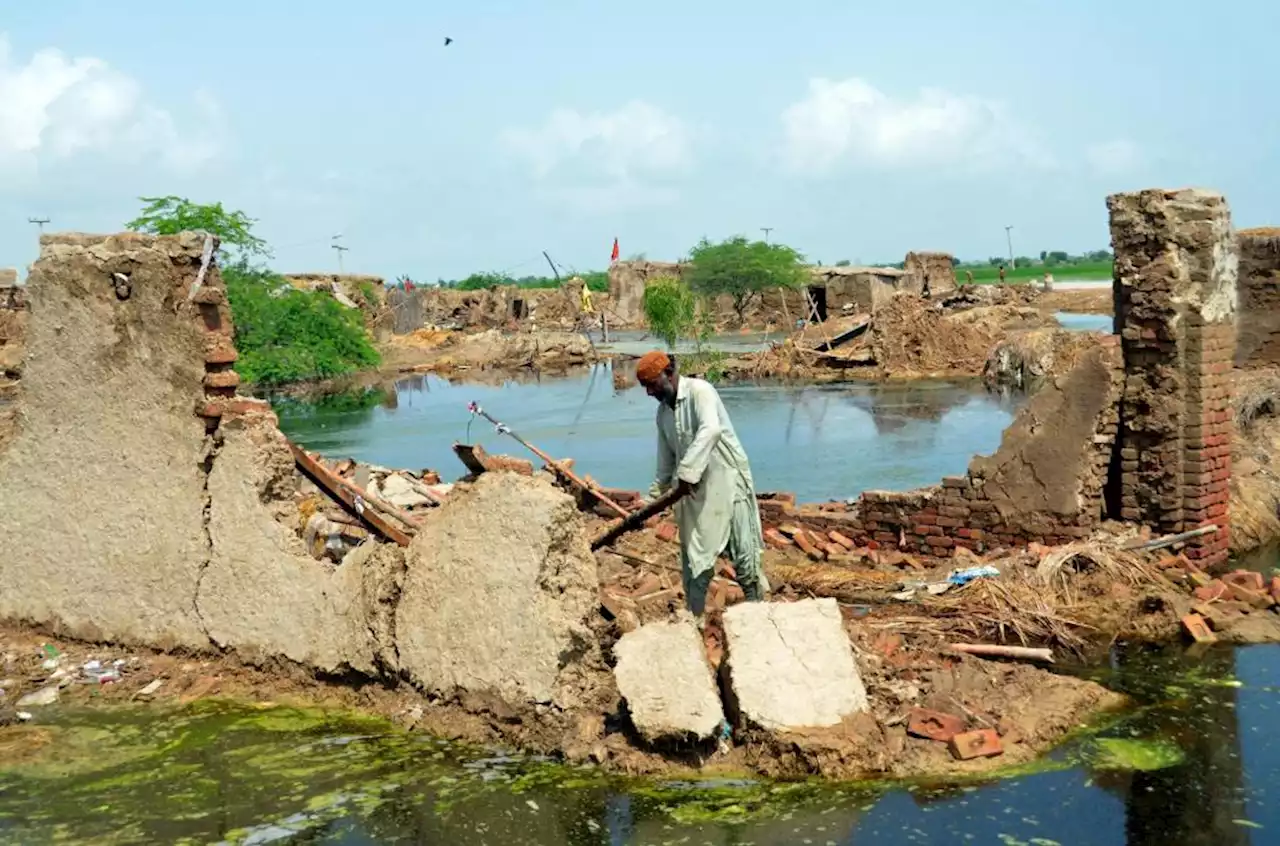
837 582
1255 394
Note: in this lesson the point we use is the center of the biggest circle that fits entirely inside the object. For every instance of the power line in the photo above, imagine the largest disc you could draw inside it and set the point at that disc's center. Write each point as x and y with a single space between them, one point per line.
339 249
38 221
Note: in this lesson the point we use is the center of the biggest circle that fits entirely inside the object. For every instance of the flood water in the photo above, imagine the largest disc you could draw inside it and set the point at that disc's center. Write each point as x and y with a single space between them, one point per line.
1197 763
1082 322
822 442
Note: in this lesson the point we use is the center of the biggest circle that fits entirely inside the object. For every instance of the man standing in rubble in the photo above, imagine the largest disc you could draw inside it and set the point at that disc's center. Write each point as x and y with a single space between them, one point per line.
699 452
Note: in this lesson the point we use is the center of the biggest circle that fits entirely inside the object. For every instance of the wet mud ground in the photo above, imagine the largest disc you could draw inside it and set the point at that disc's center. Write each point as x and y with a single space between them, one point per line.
1193 761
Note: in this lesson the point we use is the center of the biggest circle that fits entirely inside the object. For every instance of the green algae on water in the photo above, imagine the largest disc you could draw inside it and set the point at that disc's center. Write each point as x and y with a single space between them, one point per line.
1135 755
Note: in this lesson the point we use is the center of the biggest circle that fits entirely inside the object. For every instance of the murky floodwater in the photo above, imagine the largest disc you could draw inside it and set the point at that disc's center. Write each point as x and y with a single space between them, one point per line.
1080 322
823 442
1199 763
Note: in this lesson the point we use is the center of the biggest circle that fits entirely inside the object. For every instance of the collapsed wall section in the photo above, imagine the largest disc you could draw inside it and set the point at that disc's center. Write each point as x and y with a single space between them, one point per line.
13 334
1176 301
1258 342
935 271
1043 485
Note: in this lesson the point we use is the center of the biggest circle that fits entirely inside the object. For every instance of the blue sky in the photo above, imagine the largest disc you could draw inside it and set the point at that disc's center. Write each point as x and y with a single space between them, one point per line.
855 132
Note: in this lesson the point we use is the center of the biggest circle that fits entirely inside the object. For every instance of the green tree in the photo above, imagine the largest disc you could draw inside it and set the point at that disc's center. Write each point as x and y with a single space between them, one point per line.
283 334
744 270
670 308
171 215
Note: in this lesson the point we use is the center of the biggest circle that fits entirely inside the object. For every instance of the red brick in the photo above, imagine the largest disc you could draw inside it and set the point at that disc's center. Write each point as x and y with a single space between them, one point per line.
933 725
1253 598
1244 578
776 539
222 379
841 539
230 407
221 351
926 519
1275 588
788 529
1213 591
667 532
926 531
1195 626
949 522
940 543
983 743
887 644
809 549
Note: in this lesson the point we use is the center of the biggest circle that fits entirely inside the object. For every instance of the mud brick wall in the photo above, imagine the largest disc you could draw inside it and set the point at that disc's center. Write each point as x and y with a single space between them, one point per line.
1045 484
1258 344
1175 295
936 271
13 325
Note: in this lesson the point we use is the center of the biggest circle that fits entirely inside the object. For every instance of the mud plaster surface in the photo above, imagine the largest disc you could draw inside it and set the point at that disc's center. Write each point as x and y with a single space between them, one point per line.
1053 439
262 594
497 594
101 491
664 678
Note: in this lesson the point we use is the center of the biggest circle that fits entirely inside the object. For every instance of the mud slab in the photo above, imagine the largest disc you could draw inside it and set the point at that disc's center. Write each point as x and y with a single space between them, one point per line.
663 675
790 665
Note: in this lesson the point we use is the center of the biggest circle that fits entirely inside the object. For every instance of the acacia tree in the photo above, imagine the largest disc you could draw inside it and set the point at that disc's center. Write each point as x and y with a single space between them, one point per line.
171 215
744 270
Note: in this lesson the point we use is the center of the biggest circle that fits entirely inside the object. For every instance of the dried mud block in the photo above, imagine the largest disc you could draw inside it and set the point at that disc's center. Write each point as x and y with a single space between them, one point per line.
663 675
790 665
498 594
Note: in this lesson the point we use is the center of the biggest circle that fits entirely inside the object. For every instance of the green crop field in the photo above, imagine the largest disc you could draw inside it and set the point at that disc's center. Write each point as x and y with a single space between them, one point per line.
1085 271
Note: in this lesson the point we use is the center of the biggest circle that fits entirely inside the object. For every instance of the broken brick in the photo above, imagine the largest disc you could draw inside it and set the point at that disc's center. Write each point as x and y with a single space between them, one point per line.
809 549
1211 592
836 537
1195 626
221 351
933 725
789 529
886 644
222 379
667 532
983 743
1246 579
1275 588
777 539
1252 598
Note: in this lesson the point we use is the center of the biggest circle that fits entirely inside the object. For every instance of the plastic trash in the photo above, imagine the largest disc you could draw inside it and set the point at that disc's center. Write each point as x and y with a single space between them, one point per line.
963 577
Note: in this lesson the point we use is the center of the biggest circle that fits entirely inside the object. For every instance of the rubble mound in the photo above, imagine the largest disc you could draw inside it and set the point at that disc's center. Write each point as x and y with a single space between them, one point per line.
910 336
1025 361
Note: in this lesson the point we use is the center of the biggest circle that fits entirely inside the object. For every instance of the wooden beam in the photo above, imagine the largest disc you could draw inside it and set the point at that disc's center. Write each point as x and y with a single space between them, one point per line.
352 497
636 519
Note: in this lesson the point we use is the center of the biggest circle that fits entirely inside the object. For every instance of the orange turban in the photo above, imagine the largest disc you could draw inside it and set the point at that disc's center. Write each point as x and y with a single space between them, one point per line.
651 365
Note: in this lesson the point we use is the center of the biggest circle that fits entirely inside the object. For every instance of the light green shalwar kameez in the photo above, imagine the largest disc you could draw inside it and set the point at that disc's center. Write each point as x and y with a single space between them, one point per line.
697 443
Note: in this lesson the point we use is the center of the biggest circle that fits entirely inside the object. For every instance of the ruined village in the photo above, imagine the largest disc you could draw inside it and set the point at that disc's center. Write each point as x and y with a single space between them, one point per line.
158 518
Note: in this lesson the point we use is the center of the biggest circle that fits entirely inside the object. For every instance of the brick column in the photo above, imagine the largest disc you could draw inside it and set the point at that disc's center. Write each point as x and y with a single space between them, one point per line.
1175 295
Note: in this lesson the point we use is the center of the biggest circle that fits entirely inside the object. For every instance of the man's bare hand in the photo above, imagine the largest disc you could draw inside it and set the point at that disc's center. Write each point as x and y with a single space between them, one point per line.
686 488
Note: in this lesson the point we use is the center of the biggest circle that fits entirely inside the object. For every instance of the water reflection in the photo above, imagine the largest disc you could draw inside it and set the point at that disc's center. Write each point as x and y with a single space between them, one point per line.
823 442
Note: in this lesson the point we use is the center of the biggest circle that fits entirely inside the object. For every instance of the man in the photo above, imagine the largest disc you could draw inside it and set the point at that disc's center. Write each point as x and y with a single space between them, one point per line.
699 452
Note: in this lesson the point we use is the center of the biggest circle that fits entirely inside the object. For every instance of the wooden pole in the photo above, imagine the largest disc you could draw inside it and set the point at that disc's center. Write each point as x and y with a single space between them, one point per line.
991 650
553 464
636 519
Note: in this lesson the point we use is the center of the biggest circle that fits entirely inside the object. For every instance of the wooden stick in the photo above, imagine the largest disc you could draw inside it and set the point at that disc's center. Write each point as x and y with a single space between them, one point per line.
554 465
1170 540
347 494
636 518
991 650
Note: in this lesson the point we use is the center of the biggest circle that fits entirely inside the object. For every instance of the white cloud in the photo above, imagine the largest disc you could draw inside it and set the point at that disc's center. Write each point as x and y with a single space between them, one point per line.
1117 156
600 155
852 122
55 107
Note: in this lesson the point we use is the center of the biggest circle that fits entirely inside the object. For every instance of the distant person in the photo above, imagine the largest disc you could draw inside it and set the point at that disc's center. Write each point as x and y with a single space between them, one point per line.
699 452
968 277
1002 273
1048 281
586 299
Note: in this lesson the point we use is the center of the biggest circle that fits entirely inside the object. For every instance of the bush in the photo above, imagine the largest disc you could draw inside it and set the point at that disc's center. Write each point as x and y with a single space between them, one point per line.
287 335
670 309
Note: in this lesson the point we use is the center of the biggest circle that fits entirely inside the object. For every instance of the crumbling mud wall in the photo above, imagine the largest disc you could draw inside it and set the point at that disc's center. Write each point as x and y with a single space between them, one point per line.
365 292
1043 485
13 334
934 272
1258 341
1176 301
500 307
626 287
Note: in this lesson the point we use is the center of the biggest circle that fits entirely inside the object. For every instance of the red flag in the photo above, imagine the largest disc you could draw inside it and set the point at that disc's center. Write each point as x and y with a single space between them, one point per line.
614 257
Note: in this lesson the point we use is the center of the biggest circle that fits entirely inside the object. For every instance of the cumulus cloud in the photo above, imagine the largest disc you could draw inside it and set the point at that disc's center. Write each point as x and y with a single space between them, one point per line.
594 155
851 122
54 107
1117 156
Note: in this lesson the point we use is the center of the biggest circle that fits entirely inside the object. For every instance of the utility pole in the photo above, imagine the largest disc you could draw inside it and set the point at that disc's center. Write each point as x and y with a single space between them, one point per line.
766 230
1009 237
339 249
38 221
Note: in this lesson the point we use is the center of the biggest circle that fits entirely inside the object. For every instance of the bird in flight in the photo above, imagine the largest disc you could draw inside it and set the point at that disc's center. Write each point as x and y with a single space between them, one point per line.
447 41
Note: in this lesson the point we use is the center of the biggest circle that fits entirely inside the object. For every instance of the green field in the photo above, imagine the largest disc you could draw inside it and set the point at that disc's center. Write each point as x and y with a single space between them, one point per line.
1089 271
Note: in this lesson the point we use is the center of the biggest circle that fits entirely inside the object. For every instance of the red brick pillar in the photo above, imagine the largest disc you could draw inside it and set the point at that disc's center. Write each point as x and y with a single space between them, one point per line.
1175 294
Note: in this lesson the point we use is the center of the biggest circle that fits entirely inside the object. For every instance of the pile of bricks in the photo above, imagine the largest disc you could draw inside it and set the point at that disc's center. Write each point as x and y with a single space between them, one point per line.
1219 602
